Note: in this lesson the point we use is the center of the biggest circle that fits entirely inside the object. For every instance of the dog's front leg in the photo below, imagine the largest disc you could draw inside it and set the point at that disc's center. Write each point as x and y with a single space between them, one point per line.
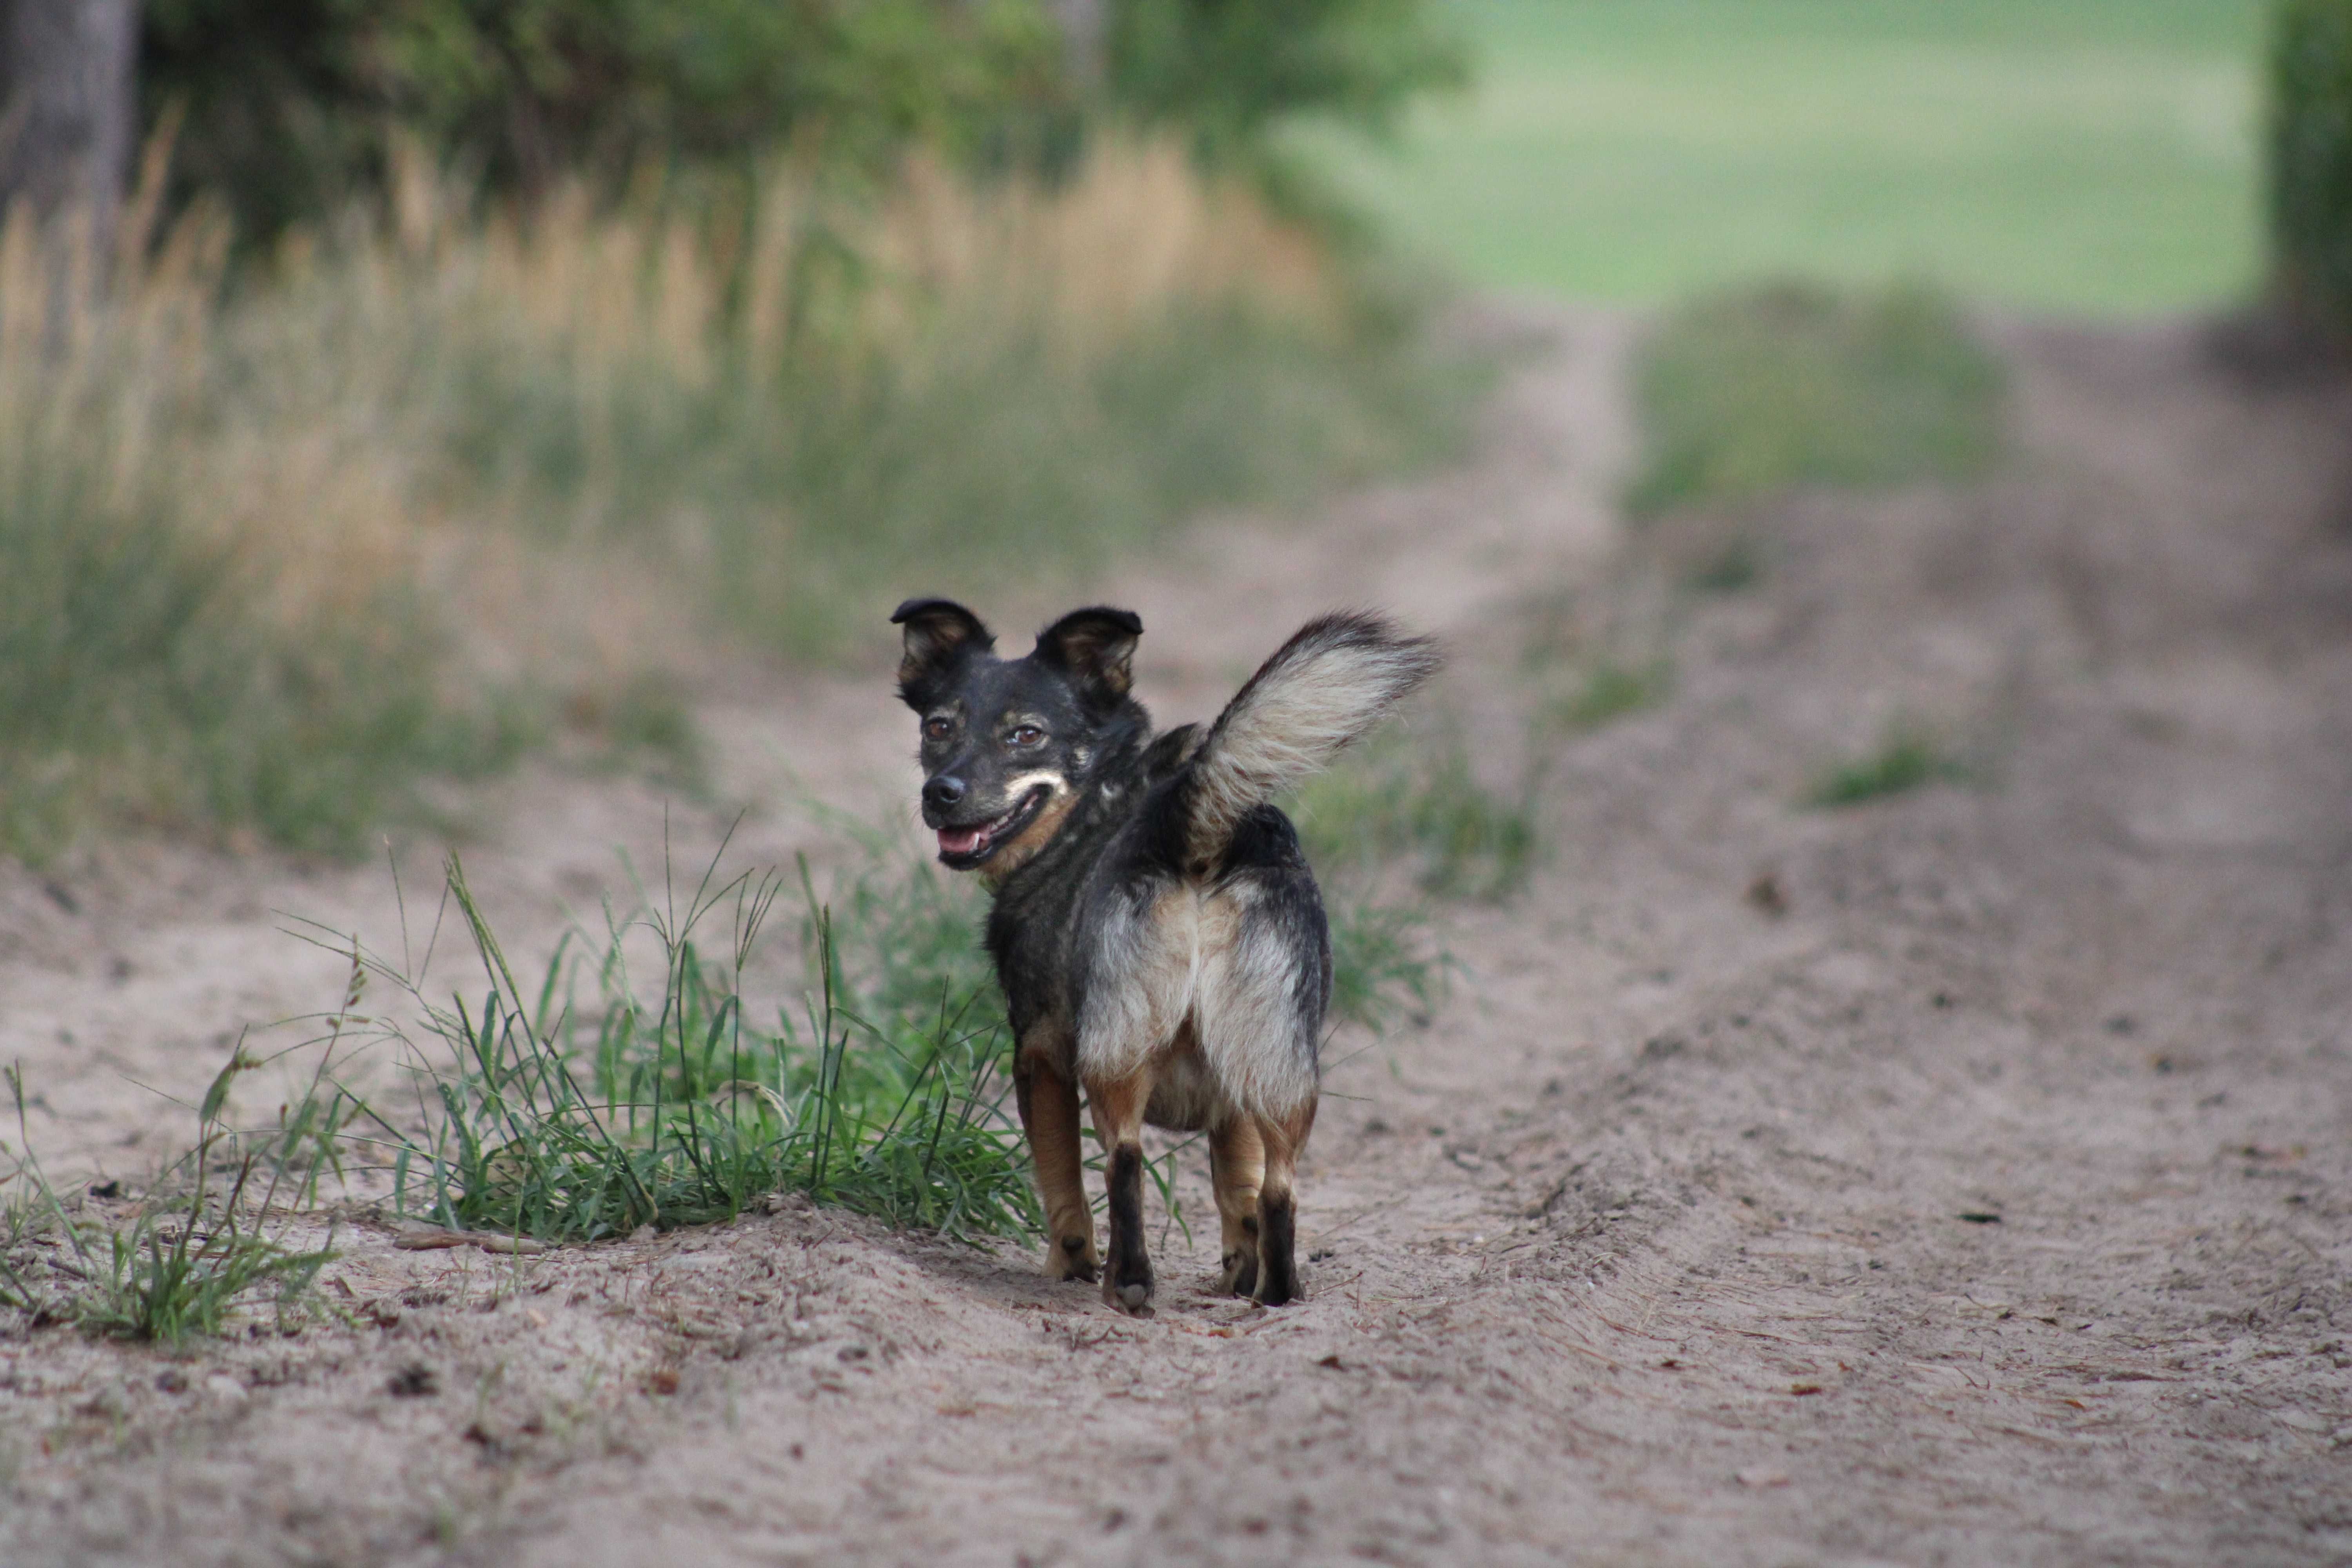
1049 1115
1118 1122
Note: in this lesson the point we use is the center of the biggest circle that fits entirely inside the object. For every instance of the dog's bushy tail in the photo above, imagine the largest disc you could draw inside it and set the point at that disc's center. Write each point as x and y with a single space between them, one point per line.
1333 681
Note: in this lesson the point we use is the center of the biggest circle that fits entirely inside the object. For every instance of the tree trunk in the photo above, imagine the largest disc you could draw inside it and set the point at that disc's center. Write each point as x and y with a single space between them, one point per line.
67 106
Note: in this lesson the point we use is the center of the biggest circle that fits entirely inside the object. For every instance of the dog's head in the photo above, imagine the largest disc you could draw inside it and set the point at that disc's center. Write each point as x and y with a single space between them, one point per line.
1009 745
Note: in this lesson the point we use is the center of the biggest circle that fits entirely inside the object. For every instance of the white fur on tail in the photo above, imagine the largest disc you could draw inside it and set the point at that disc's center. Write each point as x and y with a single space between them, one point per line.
1333 681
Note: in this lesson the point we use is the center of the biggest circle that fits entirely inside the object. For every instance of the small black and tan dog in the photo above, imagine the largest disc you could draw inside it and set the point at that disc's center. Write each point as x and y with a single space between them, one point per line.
1157 933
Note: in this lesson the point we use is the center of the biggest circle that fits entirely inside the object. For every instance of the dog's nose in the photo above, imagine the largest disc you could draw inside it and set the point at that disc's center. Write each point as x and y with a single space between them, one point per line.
944 791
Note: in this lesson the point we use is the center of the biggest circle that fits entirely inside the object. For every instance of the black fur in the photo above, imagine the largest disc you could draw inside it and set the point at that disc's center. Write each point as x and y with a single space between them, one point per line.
1095 647
940 635
1130 1262
1278 1268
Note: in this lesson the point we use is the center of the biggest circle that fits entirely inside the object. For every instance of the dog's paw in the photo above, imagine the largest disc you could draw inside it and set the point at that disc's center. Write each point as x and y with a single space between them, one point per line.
1274 1293
1240 1276
1134 1298
1127 1284
1072 1257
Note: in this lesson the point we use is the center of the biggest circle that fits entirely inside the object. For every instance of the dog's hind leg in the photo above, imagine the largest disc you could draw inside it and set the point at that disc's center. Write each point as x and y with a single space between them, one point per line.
1049 1115
1118 1106
1285 1138
1236 1166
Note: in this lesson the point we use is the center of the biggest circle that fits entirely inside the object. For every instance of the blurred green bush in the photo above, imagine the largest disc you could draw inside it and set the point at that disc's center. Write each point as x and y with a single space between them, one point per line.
2311 159
1745 393
288 107
1227 70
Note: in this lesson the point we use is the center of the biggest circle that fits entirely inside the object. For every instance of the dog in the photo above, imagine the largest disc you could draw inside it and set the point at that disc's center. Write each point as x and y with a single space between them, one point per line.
1156 931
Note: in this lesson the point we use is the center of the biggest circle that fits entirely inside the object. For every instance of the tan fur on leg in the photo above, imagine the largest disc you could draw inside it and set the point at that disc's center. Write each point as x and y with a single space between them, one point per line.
1049 1115
1236 1166
1118 1122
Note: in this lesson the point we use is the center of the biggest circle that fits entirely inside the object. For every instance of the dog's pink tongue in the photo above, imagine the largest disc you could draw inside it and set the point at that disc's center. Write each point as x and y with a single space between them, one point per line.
959 840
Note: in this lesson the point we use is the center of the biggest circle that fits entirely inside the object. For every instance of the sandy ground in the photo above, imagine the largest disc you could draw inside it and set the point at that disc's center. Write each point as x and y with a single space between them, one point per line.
1653 1246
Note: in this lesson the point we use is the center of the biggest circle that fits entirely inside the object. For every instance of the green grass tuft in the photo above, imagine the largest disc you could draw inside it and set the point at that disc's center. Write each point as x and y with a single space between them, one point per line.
544 1113
1745 395
1612 690
1382 965
1735 568
1908 759
1395 800
197 1248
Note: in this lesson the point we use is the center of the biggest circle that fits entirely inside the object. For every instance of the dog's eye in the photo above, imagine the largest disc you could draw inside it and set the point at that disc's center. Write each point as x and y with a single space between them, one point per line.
1026 734
936 728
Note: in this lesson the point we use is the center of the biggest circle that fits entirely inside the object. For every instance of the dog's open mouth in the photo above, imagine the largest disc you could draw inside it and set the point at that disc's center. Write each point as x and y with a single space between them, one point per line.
965 847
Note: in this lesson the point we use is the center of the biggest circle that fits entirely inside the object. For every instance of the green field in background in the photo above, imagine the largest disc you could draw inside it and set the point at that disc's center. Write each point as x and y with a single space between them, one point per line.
2086 154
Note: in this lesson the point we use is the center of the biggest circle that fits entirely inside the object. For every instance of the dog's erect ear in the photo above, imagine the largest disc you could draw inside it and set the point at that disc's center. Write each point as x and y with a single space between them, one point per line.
941 633
1097 646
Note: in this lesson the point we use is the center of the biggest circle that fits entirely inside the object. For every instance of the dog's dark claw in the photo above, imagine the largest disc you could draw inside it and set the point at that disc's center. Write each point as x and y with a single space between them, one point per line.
1073 1258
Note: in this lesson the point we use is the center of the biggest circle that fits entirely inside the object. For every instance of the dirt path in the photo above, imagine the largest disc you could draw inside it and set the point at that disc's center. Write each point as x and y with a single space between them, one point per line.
1669 1239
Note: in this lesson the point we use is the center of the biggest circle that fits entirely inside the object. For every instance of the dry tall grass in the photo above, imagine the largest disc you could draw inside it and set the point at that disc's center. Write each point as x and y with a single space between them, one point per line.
544 452
1134 235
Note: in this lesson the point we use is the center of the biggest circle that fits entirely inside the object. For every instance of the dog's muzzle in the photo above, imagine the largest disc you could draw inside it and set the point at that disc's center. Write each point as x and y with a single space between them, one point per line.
963 845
